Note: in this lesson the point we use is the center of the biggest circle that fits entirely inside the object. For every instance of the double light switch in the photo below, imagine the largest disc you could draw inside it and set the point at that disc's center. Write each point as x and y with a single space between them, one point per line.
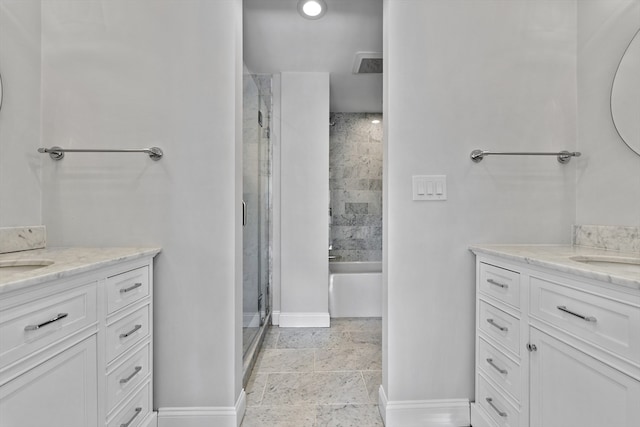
429 187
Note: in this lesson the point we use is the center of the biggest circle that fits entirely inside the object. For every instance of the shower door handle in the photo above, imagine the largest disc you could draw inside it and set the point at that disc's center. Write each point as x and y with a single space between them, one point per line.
244 213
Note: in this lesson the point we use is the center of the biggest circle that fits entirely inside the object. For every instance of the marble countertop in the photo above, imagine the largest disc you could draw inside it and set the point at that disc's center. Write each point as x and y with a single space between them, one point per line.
559 258
66 262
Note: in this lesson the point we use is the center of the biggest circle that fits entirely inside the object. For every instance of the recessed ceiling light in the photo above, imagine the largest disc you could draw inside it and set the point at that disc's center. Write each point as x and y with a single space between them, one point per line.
375 121
312 9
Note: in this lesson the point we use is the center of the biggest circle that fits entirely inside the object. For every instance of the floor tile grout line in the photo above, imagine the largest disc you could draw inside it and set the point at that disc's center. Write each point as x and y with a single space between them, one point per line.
264 389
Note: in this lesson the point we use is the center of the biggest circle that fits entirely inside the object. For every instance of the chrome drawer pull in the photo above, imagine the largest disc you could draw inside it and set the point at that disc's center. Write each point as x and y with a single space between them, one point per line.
130 288
138 410
502 285
496 367
126 334
58 316
495 325
490 402
135 372
585 318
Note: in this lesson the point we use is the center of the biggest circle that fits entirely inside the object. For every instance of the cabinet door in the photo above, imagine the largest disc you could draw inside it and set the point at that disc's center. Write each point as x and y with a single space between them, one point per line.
572 389
61 392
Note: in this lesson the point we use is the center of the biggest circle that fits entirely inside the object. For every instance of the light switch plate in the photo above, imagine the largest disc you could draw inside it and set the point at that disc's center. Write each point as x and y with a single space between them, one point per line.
429 187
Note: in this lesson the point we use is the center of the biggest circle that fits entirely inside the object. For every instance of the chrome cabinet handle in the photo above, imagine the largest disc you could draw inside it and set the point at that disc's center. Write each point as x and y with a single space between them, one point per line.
138 410
495 325
585 318
58 316
493 282
130 288
126 334
496 367
495 408
137 369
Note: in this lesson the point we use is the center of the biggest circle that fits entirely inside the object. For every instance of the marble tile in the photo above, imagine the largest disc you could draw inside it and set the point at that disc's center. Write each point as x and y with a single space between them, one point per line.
372 379
255 388
356 208
15 239
355 157
312 338
315 388
366 337
280 416
357 324
607 237
348 416
271 337
291 389
285 360
351 358
340 387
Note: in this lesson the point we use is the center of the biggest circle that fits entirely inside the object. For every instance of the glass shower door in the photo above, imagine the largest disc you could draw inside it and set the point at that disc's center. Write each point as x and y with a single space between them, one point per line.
256 204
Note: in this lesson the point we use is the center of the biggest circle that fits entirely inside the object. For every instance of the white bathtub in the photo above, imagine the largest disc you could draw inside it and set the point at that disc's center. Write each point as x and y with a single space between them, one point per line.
355 289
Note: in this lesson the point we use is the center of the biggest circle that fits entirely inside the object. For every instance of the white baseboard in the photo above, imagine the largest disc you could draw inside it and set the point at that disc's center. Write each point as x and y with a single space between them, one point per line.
275 317
220 416
304 320
424 413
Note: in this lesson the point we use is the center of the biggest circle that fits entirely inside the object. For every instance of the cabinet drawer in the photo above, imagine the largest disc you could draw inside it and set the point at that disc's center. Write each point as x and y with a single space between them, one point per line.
135 411
29 327
496 405
127 376
126 288
501 369
126 332
501 284
608 323
500 326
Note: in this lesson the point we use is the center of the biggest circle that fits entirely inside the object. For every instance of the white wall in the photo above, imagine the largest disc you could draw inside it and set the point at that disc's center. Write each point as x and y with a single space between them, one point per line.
462 75
123 74
20 163
608 190
304 199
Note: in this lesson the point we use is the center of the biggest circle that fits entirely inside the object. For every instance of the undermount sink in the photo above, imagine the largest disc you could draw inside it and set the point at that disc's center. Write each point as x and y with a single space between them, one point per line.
22 265
620 263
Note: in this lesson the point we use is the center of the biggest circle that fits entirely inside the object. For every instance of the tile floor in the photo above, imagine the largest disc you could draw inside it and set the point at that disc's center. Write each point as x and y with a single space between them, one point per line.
318 377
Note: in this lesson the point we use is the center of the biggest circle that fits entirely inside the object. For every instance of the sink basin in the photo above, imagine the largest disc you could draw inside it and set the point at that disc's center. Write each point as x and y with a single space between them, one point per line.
620 263
19 266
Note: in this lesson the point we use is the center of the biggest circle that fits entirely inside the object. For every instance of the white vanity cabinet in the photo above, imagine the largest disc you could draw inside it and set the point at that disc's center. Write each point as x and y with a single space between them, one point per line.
77 351
554 349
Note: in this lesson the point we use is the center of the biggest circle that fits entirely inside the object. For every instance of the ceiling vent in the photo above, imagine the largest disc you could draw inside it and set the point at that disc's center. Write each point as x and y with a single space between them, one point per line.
367 63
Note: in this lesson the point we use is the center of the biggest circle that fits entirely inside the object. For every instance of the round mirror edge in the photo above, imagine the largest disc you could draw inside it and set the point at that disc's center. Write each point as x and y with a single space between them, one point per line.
613 81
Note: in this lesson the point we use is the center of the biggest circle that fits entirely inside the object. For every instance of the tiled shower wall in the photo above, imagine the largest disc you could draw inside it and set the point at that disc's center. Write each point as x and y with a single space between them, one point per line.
355 183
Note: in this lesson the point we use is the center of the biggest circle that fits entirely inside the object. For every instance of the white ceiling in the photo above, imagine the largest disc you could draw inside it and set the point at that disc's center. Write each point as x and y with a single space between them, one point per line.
277 38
